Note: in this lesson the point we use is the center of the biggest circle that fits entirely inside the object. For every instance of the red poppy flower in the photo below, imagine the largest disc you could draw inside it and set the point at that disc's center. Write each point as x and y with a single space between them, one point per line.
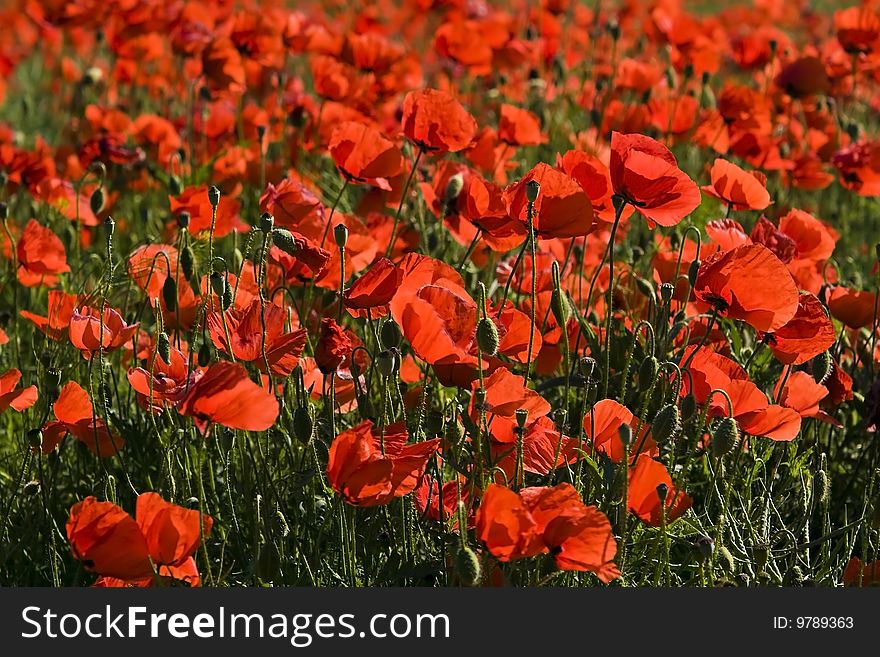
89 334
519 127
595 179
291 202
41 256
363 155
440 503
806 335
249 339
645 174
166 385
855 308
149 270
839 385
782 246
505 394
370 294
541 520
869 573
741 190
308 255
160 543
333 347
801 393
602 426
18 399
226 396
748 283
369 468
75 416
562 209
644 500
804 77
435 121
858 28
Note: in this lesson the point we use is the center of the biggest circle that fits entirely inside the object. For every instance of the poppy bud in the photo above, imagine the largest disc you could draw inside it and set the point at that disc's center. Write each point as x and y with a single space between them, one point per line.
390 334
187 261
467 565
283 239
559 306
303 425
163 347
386 362
204 354
53 377
31 488
238 258
726 437
522 416
693 270
175 186
227 298
662 492
453 432
823 487
169 294
625 432
587 366
533 188
340 234
4 210
667 424
705 546
648 372
434 422
614 29
666 292
109 226
821 367
192 503
725 560
35 438
96 200
645 287
688 407
213 196
218 283
487 336
267 222
453 189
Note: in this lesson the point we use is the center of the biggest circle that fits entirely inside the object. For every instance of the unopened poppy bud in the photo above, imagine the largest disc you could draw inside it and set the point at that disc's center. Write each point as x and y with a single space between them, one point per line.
823 487
213 196
725 560
522 416
453 189
726 437
204 354
533 188
183 219
614 29
303 425
53 377
390 334
645 287
4 211
467 565
163 347
35 438
267 222
705 546
187 261
169 294
386 362
688 407
227 298
192 503
31 488
821 367
96 200
340 234
109 226
283 239
587 366
693 270
666 292
648 372
667 424
559 306
175 186
662 492
625 432
487 336
218 283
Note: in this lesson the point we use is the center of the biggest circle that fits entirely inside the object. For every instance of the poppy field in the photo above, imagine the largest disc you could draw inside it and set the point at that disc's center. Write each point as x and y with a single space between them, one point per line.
440 293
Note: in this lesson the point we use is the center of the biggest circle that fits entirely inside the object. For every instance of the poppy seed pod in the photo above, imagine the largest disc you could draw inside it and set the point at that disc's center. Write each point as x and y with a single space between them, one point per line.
31 488
667 424
823 487
96 200
267 222
4 211
386 362
227 297
522 416
163 347
390 334
487 336
303 425
169 294
213 196
666 292
340 234
183 219
35 438
109 226
467 565
218 283
187 261
726 437
480 398
662 492
725 560
533 188
175 186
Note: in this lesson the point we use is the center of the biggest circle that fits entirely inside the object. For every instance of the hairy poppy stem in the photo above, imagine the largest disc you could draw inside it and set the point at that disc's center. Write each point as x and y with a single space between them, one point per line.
409 180
609 309
534 254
